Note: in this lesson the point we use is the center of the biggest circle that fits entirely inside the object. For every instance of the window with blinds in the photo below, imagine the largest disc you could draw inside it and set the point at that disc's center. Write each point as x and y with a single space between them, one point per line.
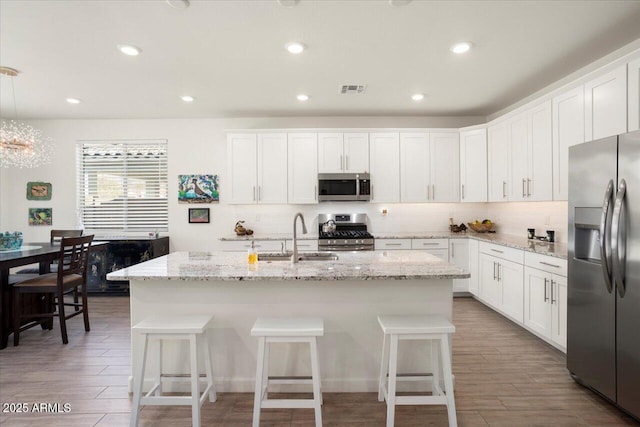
122 185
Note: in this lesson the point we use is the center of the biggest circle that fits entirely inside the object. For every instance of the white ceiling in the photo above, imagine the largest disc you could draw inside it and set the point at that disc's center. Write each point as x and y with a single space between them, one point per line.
230 55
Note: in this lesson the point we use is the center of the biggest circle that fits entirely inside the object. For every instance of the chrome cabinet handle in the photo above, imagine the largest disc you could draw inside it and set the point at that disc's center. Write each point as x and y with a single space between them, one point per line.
528 187
259 195
462 192
546 298
504 189
524 184
254 193
605 232
494 270
315 191
495 250
428 192
347 161
393 244
619 240
499 271
453 254
553 301
550 265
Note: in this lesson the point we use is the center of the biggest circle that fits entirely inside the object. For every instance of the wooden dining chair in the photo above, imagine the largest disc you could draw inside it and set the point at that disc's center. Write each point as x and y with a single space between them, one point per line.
57 235
71 275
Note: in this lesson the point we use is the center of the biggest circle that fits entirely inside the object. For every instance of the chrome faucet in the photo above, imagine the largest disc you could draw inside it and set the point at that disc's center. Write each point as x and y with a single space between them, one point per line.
294 257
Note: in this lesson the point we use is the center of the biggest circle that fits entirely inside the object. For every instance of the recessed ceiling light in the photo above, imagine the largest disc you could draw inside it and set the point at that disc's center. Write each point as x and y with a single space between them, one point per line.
288 3
417 97
302 97
178 4
295 47
461 47
73 101
187 98
130 50
399 2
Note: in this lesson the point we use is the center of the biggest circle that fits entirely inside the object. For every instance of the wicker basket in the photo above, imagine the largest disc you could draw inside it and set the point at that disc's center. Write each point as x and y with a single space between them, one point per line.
480 228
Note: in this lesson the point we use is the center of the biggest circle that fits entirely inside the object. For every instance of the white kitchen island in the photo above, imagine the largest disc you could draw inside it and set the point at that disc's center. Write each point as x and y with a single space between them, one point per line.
347 293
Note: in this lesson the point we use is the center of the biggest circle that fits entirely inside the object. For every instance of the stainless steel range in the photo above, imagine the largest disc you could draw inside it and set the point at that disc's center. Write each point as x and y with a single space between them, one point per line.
350 233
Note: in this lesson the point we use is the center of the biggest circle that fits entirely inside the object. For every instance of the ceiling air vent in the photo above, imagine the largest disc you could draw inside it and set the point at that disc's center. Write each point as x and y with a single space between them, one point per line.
353 88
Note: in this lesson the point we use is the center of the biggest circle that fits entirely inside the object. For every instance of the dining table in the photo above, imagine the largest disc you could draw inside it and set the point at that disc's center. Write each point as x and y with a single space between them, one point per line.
42 253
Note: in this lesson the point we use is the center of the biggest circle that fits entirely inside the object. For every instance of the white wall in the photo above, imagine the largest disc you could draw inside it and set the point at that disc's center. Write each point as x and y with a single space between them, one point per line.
198 146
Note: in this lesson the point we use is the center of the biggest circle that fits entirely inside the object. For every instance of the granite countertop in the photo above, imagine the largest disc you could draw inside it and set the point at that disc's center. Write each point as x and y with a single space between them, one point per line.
558 250
232 266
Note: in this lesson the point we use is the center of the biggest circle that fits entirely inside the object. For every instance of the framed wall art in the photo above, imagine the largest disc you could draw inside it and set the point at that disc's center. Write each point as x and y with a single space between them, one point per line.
198 215
40 216
198 189
38 191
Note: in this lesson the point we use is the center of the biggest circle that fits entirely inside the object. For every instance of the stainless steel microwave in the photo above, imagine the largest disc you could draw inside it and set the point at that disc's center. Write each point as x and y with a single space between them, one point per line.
344 187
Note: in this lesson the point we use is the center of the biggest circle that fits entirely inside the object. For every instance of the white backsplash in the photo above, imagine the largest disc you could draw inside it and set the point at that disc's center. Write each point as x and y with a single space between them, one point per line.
516 217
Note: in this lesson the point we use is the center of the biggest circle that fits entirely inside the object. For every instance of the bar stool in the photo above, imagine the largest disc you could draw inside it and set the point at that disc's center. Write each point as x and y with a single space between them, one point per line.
286 330
436 329
191 328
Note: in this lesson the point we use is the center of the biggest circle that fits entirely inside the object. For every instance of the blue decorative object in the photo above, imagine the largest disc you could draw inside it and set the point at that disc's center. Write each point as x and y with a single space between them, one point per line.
10 241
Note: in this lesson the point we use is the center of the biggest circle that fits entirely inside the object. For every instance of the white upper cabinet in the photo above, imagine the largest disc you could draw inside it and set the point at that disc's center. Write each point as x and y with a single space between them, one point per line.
498 162
568 130
384 158
605 100
343 152
356 152
540 165
258 166
530 149
445 166
272 168
473 165
429 165
415 184
633 89
303 167
242 152
519 144
330 152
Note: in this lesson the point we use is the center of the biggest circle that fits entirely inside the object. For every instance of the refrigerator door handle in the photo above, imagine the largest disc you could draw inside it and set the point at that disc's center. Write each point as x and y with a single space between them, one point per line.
605 230
619 240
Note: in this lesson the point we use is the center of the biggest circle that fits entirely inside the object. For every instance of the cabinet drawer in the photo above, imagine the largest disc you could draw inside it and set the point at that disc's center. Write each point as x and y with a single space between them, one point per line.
546 263
391 244
303 245
260 245
430 244
503 252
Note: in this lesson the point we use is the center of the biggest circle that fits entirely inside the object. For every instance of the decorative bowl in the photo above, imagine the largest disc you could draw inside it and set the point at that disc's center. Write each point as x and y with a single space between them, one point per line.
479 227
10 241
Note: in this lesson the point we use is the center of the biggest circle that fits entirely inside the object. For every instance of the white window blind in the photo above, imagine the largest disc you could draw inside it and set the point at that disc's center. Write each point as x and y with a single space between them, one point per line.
122 185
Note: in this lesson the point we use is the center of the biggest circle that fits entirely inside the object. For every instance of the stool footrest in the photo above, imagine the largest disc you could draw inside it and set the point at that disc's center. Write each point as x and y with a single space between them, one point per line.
290 380
175 378
288 403
421 400
166 400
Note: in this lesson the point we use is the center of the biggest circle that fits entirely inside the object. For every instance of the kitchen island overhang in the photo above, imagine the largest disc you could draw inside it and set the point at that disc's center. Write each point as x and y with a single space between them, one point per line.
348 293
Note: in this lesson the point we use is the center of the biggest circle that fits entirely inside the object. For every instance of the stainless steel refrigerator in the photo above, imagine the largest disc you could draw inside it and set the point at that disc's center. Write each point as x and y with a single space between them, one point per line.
603 325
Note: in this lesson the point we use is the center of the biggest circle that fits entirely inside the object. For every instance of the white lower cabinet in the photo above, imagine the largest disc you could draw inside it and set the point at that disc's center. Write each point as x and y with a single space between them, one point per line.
392 244
474 267
259 245
459 255
502 281
303 245
545 305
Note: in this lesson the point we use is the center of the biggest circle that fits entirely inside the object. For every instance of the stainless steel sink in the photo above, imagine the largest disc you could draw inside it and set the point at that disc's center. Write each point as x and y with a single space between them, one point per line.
274 256
305 256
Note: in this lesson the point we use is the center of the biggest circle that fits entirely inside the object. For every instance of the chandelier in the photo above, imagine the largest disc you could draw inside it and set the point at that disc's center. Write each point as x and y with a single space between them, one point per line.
22 145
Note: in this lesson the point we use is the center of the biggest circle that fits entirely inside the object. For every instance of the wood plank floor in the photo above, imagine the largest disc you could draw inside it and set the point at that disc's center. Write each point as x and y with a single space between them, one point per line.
504 377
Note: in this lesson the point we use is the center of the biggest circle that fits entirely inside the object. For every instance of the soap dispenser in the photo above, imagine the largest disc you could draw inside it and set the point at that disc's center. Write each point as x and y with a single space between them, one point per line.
252 255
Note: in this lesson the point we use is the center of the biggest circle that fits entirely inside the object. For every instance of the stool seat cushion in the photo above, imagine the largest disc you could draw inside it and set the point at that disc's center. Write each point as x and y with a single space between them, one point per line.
174 324
288 327
433 324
